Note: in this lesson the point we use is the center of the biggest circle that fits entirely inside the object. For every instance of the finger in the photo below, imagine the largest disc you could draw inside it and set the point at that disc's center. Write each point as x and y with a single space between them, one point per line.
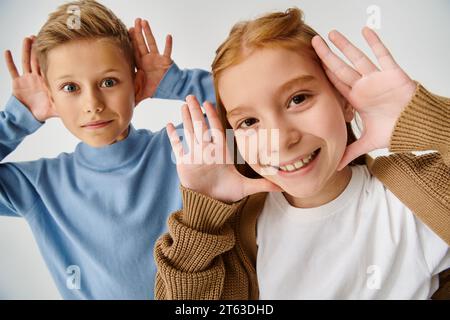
217 132
168 47
137 56
359 60
339 85
212 115
175 142
252 186
149 36
352 152
343 71
26 52
200 128
11 65
383 55
187 127
142 47
34 61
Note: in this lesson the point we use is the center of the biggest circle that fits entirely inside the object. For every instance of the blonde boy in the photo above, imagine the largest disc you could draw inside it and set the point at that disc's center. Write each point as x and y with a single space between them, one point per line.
95 213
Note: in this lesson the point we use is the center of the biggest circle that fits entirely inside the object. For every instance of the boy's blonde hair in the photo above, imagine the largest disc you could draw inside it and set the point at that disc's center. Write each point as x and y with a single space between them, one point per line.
82 20
274 30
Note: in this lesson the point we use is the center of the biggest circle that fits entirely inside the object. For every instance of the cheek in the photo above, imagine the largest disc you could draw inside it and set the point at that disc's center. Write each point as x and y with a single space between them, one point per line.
254 147
333 131
121 101
67 110
246 148
327 122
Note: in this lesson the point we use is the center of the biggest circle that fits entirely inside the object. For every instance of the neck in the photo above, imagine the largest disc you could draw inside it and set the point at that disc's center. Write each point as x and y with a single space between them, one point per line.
333 188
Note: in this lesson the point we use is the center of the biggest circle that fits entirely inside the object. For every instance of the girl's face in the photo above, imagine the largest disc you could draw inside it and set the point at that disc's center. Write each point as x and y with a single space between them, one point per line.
284 90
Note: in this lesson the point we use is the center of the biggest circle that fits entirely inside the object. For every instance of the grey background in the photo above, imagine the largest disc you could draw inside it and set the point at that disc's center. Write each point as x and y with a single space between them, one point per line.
416 32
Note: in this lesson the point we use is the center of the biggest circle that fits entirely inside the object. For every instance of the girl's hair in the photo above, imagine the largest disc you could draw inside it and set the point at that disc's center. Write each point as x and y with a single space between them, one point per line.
82 20
274 30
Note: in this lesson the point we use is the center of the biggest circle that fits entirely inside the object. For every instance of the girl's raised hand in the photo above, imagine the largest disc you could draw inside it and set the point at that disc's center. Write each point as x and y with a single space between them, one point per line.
207 167
379 95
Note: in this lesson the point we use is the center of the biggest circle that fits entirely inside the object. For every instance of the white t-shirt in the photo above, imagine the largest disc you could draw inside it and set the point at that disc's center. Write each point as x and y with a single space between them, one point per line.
365 244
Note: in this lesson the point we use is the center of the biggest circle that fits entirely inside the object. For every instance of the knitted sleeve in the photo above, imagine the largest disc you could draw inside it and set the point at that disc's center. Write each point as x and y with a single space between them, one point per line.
422 182
191 257
424 125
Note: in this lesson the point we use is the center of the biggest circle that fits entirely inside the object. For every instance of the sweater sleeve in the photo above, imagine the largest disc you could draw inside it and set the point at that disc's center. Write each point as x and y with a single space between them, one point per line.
421 182
177 84
16 122
189 257
17 194
424 125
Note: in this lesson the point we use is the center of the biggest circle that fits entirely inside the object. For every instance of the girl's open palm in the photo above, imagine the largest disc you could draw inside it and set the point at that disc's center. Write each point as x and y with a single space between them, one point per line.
29 88
207 167
378 95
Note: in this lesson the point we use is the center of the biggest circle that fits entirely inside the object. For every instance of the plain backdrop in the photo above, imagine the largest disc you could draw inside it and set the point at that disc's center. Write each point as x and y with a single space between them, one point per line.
417 33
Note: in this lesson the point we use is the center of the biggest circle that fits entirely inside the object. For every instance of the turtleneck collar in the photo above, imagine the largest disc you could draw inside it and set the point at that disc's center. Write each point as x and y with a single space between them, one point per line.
112 156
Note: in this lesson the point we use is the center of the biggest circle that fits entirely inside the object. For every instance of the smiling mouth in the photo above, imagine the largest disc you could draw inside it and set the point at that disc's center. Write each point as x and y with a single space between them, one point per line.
299 164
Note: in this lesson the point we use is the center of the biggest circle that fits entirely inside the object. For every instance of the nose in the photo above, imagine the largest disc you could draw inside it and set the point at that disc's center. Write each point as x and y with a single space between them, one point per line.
282 136
288 134
93 103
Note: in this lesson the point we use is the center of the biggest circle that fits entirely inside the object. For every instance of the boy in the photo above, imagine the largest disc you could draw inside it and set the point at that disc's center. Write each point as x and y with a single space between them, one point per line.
97 212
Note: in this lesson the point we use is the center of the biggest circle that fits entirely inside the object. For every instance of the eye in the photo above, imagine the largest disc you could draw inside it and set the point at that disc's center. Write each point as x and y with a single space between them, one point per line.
70 87
108 83
298 99
247 123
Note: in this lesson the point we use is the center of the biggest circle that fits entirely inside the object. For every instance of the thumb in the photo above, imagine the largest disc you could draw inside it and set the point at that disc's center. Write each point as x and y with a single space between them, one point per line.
252 186
353 151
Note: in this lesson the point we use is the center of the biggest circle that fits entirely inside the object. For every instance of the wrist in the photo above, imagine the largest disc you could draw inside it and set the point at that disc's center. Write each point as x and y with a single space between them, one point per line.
205 213
21 115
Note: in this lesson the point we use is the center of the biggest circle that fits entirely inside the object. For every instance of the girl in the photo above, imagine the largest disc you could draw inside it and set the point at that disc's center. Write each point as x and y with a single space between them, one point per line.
325 220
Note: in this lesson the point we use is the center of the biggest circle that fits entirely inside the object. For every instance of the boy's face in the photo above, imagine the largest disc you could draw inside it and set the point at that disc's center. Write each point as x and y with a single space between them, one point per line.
92 90
281 89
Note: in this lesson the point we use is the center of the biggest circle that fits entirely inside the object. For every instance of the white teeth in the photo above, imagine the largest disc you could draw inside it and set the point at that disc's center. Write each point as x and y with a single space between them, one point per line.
290 167
298 164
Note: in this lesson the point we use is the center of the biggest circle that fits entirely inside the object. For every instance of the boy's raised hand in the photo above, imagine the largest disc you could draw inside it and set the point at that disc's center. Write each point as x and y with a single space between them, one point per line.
147 56
29 88
379 95
207 167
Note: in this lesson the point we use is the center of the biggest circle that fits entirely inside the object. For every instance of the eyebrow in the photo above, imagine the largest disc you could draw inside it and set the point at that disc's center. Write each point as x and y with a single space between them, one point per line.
304 79
102 72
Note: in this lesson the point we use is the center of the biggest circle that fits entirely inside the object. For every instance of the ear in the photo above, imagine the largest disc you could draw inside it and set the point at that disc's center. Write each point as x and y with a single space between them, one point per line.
139 83
348 110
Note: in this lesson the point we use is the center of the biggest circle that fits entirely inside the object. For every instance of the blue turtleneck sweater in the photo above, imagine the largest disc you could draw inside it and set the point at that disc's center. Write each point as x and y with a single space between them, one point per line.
97 212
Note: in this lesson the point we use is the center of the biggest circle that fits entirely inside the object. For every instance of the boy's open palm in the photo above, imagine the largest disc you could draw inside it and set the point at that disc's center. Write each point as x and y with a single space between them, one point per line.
379 95
201 168
29 88
147 57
